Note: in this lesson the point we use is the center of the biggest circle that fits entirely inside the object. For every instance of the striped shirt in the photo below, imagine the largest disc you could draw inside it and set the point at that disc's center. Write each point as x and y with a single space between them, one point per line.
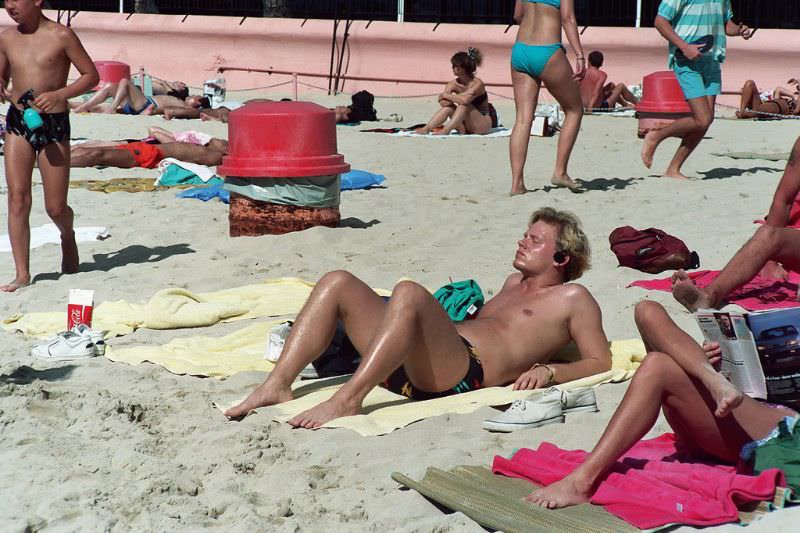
693 19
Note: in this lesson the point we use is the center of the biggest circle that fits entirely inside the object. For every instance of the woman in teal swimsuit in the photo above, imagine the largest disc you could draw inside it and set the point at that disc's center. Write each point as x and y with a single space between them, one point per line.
464 100
539 56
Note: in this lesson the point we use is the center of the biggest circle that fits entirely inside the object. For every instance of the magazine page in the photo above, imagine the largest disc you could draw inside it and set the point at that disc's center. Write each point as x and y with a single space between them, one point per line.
777 338
740 361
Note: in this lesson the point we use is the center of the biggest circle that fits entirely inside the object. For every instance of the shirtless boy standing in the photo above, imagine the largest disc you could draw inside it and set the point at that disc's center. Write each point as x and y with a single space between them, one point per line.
37 55
410 345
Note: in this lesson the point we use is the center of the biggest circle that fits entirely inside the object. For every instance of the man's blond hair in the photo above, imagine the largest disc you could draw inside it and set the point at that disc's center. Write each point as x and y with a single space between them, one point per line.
571 240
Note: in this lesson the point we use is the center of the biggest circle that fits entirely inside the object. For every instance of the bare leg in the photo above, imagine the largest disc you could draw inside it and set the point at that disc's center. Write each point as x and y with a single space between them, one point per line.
54 167
110 157
160 134
750 99
128 93
663 381
768 243
338 296
690 129
468 119
19 159
557 75
107 90
622 95
437 119
415 333
526 96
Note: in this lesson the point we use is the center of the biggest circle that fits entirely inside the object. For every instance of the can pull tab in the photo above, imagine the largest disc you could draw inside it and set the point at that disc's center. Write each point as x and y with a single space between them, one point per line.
31 117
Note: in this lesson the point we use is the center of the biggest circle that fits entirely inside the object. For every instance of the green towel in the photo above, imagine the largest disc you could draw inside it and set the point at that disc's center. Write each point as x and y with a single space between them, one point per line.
461 299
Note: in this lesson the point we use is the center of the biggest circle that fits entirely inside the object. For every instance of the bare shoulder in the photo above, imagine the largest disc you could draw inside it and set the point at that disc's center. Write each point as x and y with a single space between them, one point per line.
61 32
8 34
512 279
577 294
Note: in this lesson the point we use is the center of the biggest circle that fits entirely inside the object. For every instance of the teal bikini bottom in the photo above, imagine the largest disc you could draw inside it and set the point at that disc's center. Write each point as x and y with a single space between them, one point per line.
532 58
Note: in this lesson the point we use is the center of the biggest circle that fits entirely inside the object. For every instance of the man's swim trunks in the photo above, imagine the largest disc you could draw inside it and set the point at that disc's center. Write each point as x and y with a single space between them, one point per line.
532 58
701 77
145 155
55 128
128 110
399 383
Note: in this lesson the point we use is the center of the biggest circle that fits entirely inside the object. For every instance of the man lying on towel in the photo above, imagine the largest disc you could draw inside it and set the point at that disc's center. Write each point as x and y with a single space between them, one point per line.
146 155
709 415
409 344
773 249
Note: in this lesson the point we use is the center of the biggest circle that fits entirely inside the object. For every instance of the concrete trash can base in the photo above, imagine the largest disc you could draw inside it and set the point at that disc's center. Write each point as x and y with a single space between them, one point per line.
248 217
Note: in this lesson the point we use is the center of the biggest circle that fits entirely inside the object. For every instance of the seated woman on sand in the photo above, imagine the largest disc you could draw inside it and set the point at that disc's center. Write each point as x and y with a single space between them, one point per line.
709 415
782 102
464 100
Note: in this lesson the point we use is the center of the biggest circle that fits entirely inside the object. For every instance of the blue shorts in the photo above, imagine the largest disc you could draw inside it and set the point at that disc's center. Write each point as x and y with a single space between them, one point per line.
701 77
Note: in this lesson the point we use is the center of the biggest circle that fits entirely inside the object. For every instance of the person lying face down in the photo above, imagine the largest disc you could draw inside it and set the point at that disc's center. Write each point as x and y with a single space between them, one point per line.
410 346
145 155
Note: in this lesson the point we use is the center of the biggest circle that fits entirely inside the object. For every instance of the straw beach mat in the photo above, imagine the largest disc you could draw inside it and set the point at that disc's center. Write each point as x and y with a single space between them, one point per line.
496 502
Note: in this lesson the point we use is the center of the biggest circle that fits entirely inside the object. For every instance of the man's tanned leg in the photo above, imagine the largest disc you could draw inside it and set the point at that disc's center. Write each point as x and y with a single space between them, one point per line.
663 381
415 333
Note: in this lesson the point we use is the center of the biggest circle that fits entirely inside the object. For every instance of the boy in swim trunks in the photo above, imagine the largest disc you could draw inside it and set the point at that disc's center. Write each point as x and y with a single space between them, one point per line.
36 55
410 345
696 31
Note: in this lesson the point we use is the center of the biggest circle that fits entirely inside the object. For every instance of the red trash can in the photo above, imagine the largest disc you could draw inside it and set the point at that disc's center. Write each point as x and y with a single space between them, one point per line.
272 143
662 102
112 71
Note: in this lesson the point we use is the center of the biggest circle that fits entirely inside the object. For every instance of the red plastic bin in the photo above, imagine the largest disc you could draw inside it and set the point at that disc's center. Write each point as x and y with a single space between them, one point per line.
662 102
112 71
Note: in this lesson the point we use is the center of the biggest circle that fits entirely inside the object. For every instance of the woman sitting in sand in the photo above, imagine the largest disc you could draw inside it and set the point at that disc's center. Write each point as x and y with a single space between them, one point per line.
464 100
782 102
537 56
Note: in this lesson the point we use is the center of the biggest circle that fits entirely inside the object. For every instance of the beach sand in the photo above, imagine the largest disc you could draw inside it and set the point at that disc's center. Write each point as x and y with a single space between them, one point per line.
95 445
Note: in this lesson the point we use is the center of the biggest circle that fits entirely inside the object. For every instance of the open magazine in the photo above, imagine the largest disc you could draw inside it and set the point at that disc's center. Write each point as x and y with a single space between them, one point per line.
760 351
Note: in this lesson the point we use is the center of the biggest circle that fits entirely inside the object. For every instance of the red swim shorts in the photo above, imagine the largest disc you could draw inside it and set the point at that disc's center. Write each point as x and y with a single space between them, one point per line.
145 155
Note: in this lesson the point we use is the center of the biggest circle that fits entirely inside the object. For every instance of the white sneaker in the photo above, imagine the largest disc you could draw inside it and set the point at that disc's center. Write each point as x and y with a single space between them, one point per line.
582 399
524 414
69 345
98 339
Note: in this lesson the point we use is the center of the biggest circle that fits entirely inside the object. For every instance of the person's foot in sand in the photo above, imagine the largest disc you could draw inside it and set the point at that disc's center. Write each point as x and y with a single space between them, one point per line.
563 493
266 394
565 181
690 295
649 148
674 174
326 411
12 286
69 254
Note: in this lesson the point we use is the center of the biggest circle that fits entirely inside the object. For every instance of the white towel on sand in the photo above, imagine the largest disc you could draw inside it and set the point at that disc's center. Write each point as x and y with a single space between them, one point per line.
494 132
49 233
203 172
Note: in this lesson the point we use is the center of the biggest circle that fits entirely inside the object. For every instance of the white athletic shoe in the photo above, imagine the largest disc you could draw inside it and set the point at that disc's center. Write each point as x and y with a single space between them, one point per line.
582 399
524 414
78 343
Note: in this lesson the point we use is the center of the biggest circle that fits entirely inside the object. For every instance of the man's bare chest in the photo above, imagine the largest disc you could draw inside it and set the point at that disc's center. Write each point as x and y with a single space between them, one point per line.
26 52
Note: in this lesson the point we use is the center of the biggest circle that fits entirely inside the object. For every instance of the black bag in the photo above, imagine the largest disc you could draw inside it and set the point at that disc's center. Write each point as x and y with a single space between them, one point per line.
340 358
361 109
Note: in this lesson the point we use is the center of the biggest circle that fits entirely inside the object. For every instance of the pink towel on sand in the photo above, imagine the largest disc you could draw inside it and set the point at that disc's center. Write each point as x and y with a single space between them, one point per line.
648 487
759 293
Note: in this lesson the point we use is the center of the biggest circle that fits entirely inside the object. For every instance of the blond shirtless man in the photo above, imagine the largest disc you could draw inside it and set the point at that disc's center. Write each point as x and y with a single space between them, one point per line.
36 56
410 345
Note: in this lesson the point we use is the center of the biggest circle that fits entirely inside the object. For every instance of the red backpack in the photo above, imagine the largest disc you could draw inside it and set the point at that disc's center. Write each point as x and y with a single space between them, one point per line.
651 250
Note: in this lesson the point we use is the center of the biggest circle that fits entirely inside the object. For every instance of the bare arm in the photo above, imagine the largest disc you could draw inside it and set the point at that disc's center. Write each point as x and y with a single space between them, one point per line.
597 91
474 89
171 112
570 25
787 190
4 94
519 11
448 89
733 29
666 30
88 78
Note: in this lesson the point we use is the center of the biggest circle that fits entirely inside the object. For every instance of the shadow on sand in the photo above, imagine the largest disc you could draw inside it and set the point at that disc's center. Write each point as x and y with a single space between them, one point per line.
722 173
26 375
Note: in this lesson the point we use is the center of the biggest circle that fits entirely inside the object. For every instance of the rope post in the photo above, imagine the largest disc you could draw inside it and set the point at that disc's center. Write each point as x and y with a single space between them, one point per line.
294 86
638 13
401 10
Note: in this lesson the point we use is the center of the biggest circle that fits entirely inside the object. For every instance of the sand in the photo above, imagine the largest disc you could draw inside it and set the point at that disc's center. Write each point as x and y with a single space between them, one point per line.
96 445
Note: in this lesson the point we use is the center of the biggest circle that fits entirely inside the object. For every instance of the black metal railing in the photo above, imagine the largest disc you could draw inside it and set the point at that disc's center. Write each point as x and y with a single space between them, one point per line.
756 13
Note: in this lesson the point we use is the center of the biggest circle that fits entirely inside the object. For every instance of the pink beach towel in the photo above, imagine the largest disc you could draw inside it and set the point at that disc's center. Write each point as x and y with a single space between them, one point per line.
759 293
649 487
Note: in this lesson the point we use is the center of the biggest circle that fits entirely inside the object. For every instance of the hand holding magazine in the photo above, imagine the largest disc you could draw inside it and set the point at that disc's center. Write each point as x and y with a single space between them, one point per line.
760 351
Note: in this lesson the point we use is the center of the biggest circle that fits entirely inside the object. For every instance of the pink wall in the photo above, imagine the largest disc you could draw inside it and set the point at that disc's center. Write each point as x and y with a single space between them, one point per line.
191 50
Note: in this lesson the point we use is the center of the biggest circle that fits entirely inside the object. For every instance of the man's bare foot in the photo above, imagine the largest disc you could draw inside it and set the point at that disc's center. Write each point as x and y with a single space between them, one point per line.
326 411
725 394
649 149
422 131
515 191
564 493
12 286
674 174
263 396
774 270
565 181
69 254
688 294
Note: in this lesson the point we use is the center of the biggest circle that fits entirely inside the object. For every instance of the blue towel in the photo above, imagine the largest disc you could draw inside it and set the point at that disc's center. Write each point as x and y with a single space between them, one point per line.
360 179
207 193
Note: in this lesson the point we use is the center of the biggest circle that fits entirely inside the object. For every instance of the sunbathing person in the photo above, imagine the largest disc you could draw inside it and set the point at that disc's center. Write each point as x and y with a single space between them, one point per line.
707 413
145 155
773 241
130 100
109 89
464 105
409 344
155 135
752 105
597 93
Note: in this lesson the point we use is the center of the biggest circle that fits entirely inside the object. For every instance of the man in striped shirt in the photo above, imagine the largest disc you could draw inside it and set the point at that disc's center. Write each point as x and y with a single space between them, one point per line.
696 31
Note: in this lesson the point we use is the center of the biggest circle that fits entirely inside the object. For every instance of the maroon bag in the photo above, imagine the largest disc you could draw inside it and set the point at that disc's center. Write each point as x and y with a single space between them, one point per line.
651 250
